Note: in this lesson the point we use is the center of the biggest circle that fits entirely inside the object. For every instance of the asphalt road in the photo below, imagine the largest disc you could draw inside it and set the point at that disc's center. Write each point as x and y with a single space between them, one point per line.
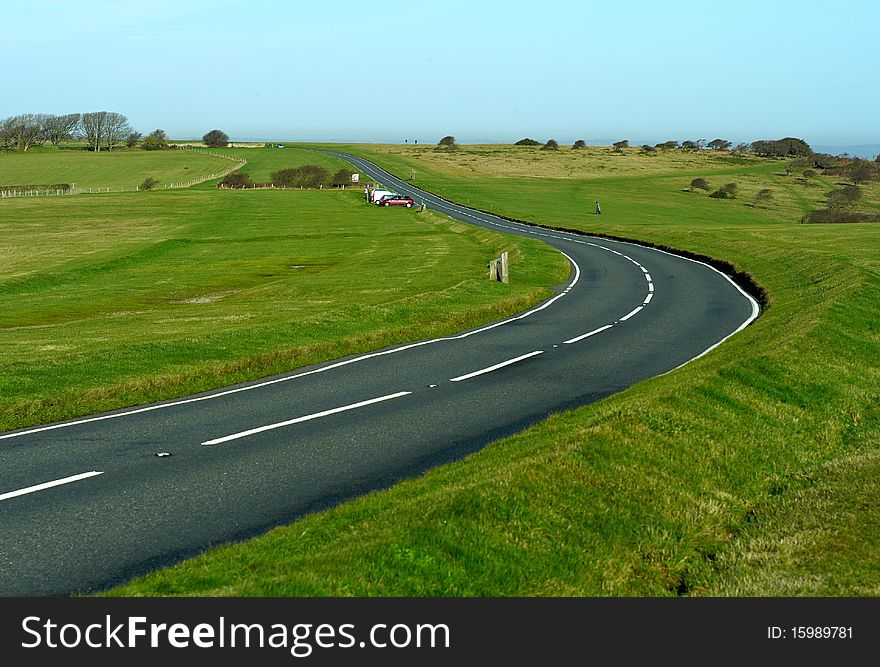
88 503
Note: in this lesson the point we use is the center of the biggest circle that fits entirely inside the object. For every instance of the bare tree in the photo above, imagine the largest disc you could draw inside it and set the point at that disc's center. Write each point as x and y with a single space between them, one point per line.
23 131
59 129
133 139
94 126
6 134
116 130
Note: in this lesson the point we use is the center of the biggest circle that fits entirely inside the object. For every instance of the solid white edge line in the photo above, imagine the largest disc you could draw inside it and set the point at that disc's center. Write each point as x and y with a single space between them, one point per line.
297 420
496 366
631 313
756 309
49 485
587 335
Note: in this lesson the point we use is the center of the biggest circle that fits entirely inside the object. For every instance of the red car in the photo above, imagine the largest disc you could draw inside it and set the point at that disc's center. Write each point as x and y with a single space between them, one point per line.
396 200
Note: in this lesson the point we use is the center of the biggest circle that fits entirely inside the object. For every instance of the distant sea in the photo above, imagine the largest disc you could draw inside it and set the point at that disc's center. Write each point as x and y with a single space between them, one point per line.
867 151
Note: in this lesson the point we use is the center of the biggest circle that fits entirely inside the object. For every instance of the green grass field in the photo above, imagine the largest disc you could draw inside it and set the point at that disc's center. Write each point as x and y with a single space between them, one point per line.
751 471
115 170
261 162
118 299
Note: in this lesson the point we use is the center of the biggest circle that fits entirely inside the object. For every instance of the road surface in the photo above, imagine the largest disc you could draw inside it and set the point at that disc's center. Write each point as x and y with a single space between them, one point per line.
88 503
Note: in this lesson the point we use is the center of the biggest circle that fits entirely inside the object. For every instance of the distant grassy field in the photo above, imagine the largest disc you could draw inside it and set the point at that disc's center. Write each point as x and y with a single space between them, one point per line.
261 162
115 170
111 300
751 471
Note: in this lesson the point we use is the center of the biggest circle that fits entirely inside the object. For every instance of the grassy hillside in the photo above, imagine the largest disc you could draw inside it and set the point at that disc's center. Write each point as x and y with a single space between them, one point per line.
111 300
115 170
261 162
751 471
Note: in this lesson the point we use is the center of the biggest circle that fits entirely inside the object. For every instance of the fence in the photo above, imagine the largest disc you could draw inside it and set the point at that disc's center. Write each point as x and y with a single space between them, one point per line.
39 192
238 164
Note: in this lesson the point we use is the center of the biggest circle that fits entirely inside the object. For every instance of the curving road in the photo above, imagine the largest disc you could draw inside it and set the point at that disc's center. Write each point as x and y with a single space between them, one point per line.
88 503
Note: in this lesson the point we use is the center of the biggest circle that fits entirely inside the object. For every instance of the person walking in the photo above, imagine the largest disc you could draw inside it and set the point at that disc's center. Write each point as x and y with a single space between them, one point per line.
598 209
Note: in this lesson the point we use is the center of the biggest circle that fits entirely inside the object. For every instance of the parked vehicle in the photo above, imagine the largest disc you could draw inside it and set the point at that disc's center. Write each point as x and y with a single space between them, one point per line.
396 200
376 195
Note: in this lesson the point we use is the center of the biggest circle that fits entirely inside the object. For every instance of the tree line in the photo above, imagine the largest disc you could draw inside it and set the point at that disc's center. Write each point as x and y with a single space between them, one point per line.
305 176
101 130
787 147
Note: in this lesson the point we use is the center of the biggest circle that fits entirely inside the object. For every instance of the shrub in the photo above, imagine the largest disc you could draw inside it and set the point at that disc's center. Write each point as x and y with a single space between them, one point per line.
527 142
730 189
447 142
216 139
551 145
763 196
236 180
64 187
157 140
809 173
580 143
149 183
341 177
719 145
667 145
844 198
689 145
307 176
620 145
838 216
647 148
787 147
861 171
700 184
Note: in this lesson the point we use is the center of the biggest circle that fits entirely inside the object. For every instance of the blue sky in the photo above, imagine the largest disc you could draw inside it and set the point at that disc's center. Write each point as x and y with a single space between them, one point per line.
482 71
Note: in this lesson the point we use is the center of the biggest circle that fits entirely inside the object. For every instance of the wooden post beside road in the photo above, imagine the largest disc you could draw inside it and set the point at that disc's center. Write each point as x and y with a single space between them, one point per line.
505 268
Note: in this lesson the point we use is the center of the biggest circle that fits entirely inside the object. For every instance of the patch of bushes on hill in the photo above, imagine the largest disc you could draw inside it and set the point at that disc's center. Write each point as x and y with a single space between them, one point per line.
306 176
838 216
236 180
839 208
527 142
726 191
787 147
700 184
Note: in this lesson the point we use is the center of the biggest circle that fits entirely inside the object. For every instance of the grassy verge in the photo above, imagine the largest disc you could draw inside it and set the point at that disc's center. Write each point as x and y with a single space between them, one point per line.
748 472
127 298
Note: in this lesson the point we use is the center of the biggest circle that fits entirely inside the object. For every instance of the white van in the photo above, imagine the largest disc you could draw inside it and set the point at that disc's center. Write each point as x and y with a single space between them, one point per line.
378 194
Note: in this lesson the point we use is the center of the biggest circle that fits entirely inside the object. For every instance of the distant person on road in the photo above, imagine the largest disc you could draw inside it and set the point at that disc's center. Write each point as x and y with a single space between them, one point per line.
598 209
